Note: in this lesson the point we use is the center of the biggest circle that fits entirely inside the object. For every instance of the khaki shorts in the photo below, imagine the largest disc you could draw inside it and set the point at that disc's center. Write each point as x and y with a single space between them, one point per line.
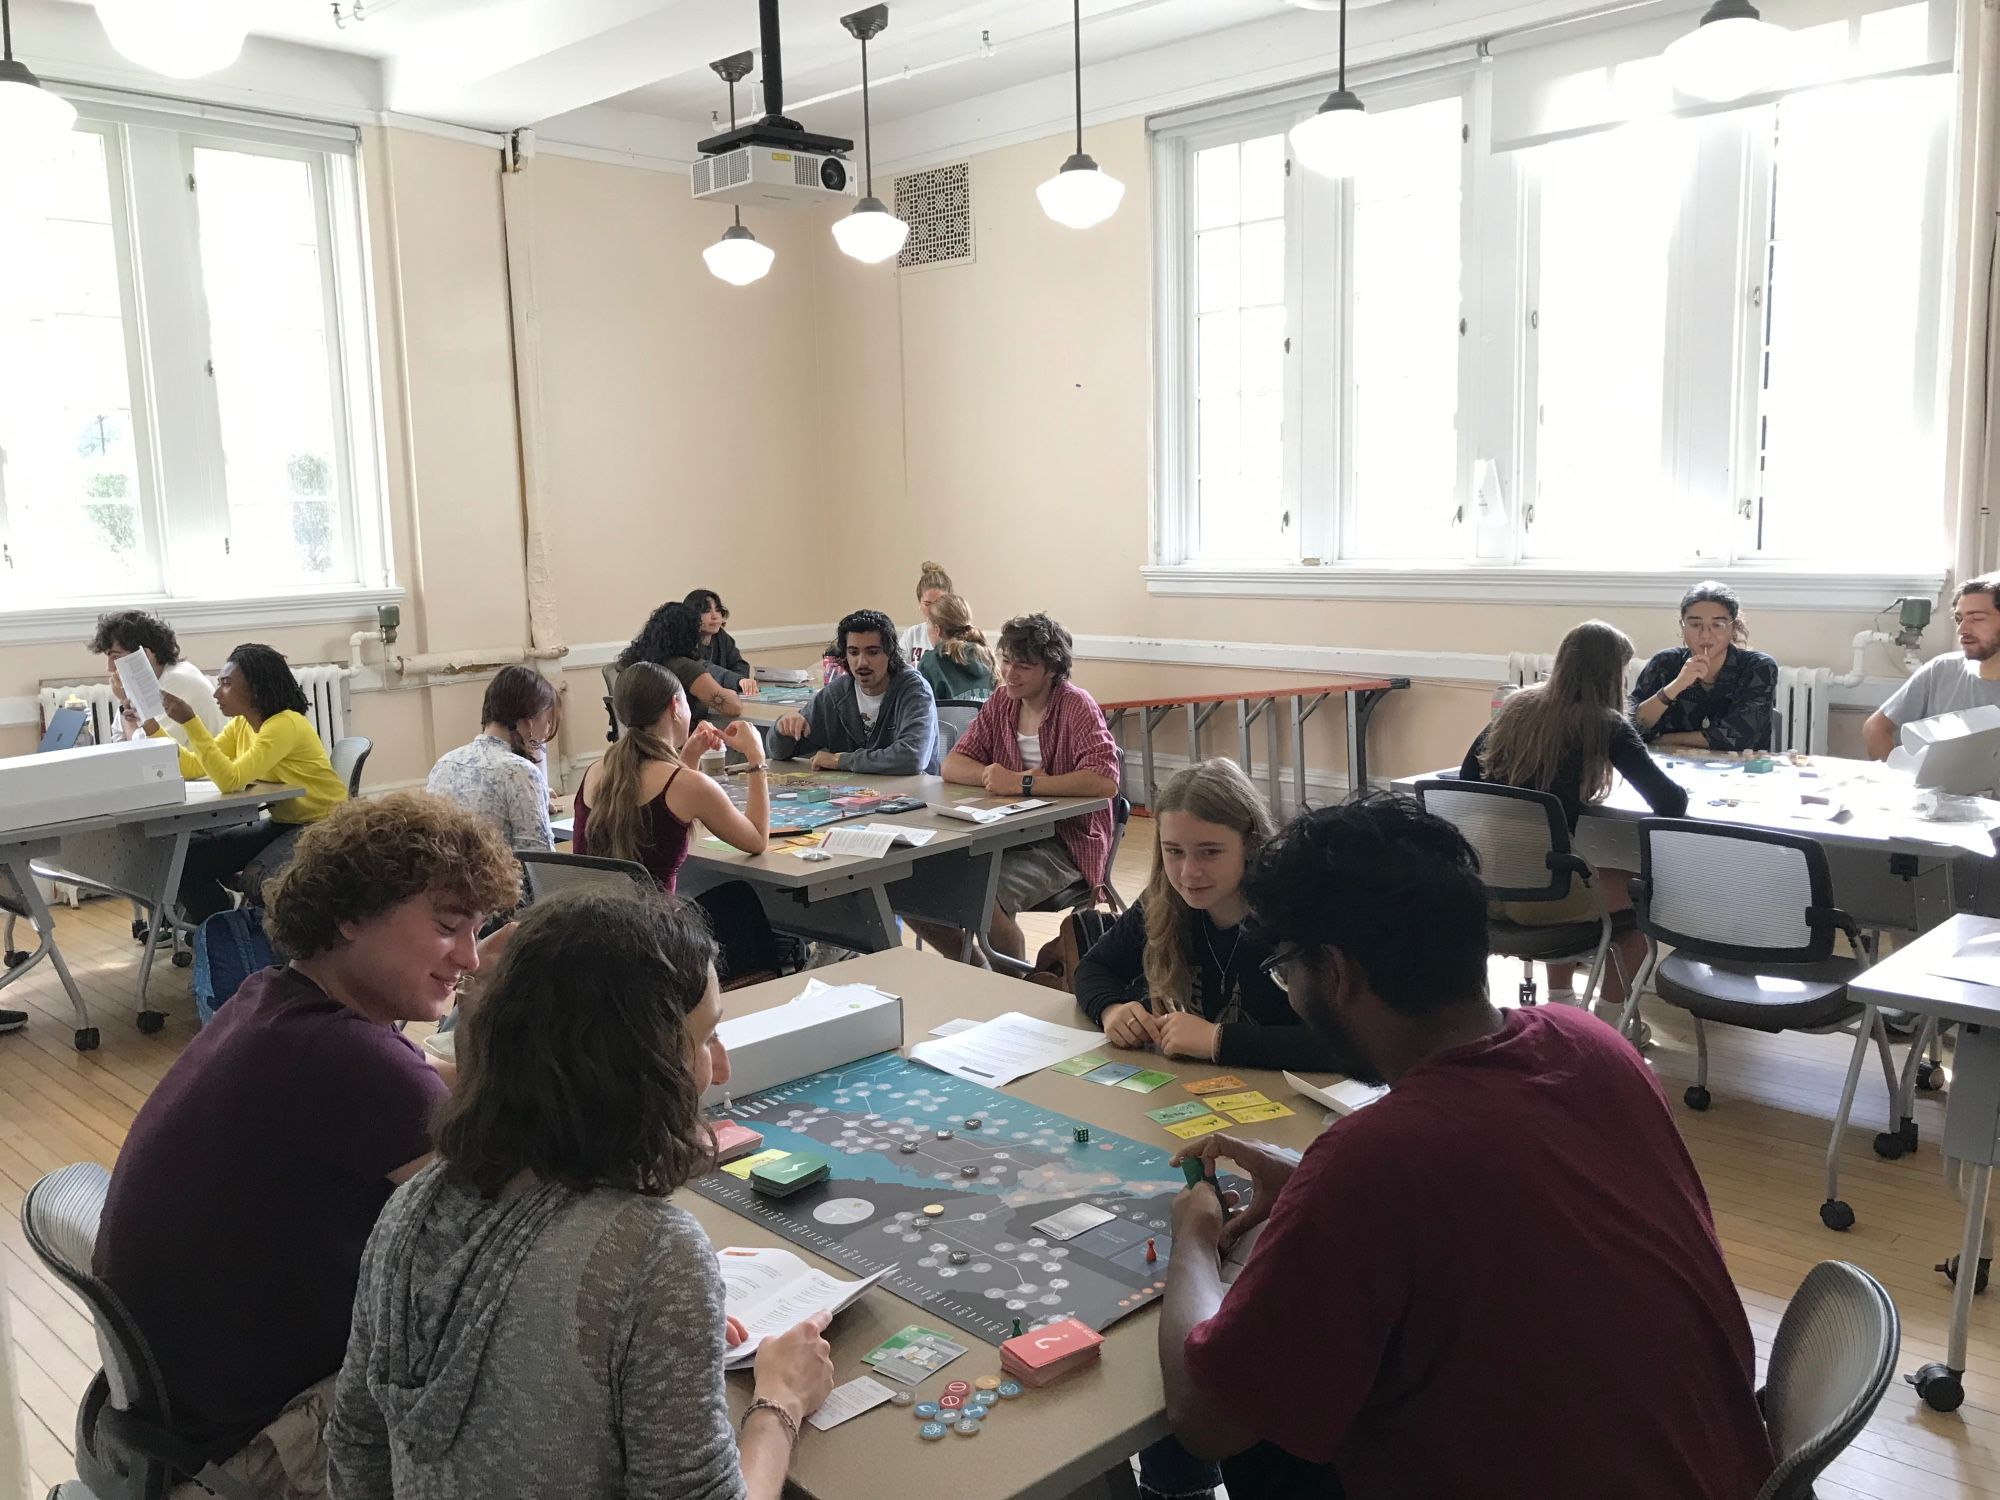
287 1460
1033 873
1580 905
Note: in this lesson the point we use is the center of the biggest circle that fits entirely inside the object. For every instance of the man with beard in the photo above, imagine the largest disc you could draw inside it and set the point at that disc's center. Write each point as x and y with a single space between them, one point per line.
1501 1278
879 720
1950 682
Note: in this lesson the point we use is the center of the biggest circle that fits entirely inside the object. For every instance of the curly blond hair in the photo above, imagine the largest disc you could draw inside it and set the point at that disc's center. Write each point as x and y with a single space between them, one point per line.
373 853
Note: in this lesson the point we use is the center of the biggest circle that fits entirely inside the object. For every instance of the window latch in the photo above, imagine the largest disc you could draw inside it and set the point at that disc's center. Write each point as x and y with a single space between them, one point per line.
1743 507
1528 514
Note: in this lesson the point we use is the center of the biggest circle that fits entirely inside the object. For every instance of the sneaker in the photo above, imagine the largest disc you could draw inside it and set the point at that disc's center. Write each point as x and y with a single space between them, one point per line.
12 1020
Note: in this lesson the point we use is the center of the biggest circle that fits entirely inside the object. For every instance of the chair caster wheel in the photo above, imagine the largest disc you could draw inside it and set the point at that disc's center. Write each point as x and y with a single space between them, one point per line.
1930 1076
151 1021
1527 994
1696 1098
86 1039
183 959
1939 1388
1836 1215
1890 1146
1949 1270
15 957
139 928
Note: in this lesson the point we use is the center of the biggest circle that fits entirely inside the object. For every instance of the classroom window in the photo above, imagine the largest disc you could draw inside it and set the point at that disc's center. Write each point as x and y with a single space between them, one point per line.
185 410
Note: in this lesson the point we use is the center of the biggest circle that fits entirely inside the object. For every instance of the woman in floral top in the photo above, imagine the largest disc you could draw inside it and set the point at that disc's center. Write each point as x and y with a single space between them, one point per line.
502 774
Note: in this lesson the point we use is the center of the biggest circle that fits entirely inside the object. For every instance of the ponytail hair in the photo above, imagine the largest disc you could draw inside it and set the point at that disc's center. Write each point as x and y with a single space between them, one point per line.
932 576
645 691
958 637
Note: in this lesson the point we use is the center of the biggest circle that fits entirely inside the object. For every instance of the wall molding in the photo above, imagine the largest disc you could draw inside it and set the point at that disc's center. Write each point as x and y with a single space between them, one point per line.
71 623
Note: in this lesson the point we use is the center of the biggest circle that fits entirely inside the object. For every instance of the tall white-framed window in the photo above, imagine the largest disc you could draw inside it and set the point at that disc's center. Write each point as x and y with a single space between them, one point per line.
187 409
1566 327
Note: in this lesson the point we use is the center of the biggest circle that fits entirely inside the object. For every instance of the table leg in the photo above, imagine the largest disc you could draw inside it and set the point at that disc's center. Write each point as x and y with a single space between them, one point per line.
1361 708
45 927
1243 737
170 883
1271 758
1971 1135
1298 756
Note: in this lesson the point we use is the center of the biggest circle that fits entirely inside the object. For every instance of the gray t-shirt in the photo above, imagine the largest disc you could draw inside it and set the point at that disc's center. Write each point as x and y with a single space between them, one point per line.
1943 685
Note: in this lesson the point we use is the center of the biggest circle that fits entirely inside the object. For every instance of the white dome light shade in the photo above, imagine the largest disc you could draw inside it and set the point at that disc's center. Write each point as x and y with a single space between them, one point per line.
177 38
1082 194
871 233
739 257
1333 142
30 115
1732 54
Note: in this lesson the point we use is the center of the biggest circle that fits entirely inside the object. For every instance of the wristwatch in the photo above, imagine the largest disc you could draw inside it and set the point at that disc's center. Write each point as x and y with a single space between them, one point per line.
1027 784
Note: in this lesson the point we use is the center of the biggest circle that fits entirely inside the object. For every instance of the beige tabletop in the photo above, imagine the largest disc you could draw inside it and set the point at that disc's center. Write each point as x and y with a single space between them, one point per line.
1050 1441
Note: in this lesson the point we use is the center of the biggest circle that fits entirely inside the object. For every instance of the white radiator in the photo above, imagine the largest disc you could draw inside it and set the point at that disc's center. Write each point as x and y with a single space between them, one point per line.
325 688
1805 694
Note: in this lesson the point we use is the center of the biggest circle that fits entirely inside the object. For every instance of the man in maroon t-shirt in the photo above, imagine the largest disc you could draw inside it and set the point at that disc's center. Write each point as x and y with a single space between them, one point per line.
1499 1279
251 1177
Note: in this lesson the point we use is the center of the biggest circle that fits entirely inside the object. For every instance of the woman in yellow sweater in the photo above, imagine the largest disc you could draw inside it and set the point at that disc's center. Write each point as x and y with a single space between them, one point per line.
267 738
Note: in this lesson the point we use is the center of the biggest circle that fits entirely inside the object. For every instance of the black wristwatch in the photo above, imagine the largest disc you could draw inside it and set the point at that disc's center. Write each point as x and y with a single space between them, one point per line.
1027 784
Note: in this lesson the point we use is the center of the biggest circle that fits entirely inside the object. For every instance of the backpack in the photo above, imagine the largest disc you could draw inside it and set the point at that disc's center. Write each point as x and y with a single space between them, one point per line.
1056 964
228 948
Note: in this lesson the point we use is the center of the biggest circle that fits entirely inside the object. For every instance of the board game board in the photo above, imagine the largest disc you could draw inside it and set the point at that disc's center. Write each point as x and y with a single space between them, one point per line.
1025 1165
791 815
784 692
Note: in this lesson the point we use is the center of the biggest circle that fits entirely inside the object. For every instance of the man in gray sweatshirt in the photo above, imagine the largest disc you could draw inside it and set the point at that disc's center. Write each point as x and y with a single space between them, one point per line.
879 720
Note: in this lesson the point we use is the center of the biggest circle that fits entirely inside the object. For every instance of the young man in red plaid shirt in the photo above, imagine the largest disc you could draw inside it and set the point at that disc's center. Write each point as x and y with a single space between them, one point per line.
1040 735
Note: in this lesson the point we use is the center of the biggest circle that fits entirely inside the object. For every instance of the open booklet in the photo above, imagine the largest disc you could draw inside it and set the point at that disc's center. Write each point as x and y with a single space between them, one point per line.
1343 1096
769 1291
873 840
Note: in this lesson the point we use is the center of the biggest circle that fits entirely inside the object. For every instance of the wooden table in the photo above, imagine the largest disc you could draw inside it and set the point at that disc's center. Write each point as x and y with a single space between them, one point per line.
1904 981
1360 698
1049 1442
853 901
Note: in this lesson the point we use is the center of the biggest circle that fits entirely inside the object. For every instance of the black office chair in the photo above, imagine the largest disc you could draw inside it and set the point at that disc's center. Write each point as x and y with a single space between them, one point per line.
1523 842
1749 914
546 873
126 1445
1831 1363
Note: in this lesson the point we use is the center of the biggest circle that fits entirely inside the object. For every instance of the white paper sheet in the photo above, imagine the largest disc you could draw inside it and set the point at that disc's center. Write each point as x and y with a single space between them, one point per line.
142 687
1005 1048
769 1291
850 1400
953 1028
970 814
1978 962
1343 1097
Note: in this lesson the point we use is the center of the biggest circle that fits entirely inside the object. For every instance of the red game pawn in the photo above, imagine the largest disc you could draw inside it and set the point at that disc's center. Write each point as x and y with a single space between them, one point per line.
1151 1254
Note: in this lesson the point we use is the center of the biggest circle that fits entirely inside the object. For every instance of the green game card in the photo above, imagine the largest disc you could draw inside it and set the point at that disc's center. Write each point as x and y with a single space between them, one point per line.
1173 1114
1076 1067
1145 1083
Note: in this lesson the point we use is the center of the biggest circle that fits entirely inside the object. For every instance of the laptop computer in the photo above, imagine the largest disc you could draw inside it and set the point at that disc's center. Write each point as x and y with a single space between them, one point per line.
65 729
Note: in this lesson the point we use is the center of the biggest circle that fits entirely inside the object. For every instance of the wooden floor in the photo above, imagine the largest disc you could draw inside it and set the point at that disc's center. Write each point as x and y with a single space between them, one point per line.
1758 1148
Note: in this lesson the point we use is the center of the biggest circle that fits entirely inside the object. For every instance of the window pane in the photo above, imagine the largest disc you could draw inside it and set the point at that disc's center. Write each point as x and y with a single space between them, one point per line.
1404 339
1239 348
1850 461
1602 465
263 279
70 489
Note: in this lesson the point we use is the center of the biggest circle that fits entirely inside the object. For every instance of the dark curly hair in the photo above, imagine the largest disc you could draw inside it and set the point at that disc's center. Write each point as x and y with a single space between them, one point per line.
135 630
574 1064
268 678
1037 638
373 853
516 693
862 621
671 630
1394 888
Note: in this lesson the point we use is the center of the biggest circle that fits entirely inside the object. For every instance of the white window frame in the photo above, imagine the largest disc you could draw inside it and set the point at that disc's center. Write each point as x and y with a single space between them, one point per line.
150 154
1713 434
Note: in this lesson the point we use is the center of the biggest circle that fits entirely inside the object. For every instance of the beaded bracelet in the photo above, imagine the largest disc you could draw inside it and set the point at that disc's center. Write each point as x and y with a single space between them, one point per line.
760 1404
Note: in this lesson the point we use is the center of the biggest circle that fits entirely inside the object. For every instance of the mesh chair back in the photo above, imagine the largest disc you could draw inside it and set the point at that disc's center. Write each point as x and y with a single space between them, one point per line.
1831 1362
954 717
350 754
1522 837
1734 893
545 874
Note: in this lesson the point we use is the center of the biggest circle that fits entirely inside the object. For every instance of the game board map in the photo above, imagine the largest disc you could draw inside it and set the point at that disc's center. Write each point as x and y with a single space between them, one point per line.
790 815
896 1136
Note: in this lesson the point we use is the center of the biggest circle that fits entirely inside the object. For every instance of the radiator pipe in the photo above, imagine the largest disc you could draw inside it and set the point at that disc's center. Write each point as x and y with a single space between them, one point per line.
1863 639
450 663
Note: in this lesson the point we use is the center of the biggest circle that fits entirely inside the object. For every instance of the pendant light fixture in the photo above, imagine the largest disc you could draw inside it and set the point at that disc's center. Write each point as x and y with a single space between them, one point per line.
1334 141
30 115
739 257
1732 54
869 232
177 38
1082 194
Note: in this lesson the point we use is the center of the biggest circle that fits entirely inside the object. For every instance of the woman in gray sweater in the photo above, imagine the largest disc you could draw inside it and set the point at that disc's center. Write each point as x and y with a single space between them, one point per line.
533 1316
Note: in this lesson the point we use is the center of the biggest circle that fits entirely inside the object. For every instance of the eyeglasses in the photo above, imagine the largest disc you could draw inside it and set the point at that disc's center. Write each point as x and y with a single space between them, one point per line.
1278 968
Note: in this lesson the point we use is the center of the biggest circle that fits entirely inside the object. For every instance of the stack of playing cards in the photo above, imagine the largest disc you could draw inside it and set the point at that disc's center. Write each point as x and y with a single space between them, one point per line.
733 1140
913 1355
1043 1356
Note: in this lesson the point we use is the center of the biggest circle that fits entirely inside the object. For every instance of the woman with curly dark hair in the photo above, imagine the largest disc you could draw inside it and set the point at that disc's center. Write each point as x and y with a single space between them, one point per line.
534 1317
718 647
268 738
671 638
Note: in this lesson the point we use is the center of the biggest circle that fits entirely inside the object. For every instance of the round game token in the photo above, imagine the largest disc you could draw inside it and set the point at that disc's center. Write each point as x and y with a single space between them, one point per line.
901 1398
984 1398
1009 1389
930 1432
959 1257
949 1403
974 1123
988 1382
932 1210
944 1135
923 1411
968 1170
957 1388
973 1412
965 1427
908 1148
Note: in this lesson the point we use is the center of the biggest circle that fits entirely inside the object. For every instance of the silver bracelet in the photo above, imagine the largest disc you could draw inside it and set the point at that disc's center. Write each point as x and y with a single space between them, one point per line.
761 1404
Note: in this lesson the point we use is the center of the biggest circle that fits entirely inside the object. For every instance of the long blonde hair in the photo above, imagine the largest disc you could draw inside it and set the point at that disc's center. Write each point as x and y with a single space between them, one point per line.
1215 791
643 694
1571 717
958 637
932 576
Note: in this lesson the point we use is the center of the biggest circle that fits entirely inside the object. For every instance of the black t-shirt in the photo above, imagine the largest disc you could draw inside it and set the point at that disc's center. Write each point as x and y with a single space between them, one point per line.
1628 757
